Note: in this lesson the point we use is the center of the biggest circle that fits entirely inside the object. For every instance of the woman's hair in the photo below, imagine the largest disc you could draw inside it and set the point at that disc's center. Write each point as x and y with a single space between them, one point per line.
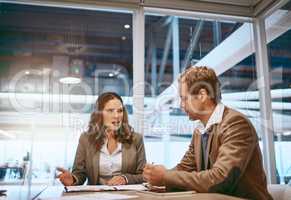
96 128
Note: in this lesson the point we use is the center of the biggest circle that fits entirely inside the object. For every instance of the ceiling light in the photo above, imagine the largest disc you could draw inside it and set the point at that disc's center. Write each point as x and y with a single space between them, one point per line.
126 26
70 80
27 72
74 74
110 74
123 38
6 135
286 133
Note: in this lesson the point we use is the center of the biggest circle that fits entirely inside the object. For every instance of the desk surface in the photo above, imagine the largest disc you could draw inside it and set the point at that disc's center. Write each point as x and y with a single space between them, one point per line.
55 192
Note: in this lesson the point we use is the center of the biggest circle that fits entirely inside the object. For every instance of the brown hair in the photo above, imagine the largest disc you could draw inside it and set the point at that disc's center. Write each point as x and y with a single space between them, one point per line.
202 77
96 128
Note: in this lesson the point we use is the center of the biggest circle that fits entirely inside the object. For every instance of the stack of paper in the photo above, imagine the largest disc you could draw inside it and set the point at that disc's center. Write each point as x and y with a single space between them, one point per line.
95 196
99 188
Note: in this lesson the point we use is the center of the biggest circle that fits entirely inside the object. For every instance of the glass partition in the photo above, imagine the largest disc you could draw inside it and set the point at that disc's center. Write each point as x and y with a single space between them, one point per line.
279 53
174 43
54 62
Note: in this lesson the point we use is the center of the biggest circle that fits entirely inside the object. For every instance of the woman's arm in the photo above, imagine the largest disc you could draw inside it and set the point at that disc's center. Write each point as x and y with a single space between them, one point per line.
79 167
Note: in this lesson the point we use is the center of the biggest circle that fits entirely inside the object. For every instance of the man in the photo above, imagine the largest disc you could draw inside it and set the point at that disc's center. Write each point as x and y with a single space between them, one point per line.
224 155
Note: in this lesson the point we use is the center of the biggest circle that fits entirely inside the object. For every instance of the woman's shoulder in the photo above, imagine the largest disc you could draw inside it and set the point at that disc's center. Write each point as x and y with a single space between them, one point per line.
85 136
137 137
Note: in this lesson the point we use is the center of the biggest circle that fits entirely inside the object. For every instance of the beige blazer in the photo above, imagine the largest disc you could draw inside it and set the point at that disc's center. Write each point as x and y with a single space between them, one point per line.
234 161
86 164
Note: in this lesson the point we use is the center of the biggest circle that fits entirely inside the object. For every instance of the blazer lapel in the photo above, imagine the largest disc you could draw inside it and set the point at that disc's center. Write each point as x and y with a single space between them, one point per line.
125 156
210 137
95 164
197 149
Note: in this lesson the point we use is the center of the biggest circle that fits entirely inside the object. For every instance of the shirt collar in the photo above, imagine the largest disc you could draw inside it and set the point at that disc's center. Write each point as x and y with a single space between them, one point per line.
215 118
105 150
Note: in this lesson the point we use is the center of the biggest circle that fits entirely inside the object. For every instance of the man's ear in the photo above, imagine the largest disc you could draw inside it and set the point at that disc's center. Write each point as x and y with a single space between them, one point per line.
203 94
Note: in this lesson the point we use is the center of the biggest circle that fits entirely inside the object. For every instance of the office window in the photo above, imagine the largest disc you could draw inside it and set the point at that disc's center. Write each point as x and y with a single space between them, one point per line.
174 43
279 52
54 62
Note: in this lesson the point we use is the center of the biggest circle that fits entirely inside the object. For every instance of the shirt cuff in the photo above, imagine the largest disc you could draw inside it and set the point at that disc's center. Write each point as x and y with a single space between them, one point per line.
126 180
75 179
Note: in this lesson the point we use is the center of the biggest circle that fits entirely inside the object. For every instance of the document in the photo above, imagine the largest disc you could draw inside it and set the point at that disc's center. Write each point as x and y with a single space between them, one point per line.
100 188
169 194
95 196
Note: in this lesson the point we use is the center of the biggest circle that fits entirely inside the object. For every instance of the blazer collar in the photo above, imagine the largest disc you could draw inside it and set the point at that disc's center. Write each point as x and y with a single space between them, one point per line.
215 118
197 146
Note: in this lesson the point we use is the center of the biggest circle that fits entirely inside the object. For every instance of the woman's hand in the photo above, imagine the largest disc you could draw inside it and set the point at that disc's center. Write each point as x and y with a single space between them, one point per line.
65 177
117 180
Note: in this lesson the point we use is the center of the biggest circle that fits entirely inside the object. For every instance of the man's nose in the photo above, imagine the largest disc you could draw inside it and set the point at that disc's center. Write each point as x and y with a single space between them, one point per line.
182 105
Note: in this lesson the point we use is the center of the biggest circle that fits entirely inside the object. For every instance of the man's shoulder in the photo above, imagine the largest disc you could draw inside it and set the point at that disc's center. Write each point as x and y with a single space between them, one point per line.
230 113
234 117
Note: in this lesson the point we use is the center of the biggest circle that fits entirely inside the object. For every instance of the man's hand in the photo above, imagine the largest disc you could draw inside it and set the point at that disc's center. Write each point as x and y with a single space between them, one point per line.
117 180
65 177
154 174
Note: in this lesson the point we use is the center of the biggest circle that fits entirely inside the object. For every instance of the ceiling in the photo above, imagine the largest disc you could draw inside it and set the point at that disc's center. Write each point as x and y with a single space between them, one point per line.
246 8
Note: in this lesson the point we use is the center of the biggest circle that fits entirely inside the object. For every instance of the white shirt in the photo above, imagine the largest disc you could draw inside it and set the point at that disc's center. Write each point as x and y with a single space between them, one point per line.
110 164
215 118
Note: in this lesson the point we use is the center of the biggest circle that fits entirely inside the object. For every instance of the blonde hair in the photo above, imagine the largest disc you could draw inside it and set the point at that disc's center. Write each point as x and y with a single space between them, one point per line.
202 77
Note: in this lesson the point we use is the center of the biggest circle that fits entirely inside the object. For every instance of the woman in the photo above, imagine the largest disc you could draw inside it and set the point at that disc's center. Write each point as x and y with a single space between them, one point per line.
109 152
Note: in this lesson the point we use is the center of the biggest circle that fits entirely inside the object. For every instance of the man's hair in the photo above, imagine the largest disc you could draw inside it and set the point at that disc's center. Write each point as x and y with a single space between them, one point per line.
202 77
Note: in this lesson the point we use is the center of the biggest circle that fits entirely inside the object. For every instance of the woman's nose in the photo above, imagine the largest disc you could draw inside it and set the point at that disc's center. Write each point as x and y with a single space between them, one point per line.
115 114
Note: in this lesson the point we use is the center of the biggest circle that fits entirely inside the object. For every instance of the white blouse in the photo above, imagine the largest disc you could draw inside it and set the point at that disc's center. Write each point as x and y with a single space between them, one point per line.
109 164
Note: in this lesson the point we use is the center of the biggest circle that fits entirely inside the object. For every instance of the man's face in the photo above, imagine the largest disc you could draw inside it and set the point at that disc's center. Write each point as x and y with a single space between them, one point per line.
191 104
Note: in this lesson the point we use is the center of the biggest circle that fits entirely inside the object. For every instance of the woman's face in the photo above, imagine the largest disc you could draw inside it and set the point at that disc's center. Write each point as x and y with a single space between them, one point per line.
113 114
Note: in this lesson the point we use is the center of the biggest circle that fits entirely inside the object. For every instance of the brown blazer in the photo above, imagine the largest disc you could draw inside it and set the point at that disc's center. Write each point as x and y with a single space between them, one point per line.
86 164
234 161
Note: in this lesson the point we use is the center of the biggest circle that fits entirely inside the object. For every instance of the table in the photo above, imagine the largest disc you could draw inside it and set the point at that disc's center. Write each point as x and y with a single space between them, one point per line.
54 192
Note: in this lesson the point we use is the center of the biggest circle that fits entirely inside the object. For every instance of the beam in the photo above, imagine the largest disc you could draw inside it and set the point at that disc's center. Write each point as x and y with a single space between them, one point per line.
176 48
166 53
138 69
239 45
208 7
267 128
216 33
193 44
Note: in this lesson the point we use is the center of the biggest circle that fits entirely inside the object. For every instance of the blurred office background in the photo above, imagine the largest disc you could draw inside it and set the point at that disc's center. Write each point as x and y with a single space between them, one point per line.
57 57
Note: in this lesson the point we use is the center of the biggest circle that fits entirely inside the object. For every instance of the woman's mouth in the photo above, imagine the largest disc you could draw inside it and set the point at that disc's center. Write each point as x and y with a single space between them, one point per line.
116 123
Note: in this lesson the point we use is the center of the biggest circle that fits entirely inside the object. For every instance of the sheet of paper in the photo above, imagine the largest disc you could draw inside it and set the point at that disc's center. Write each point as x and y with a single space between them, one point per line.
88 188
100 188
95 196
133 187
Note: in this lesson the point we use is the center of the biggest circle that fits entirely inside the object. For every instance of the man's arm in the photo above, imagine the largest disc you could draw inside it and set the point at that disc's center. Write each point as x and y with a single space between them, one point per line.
238 143
188 161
